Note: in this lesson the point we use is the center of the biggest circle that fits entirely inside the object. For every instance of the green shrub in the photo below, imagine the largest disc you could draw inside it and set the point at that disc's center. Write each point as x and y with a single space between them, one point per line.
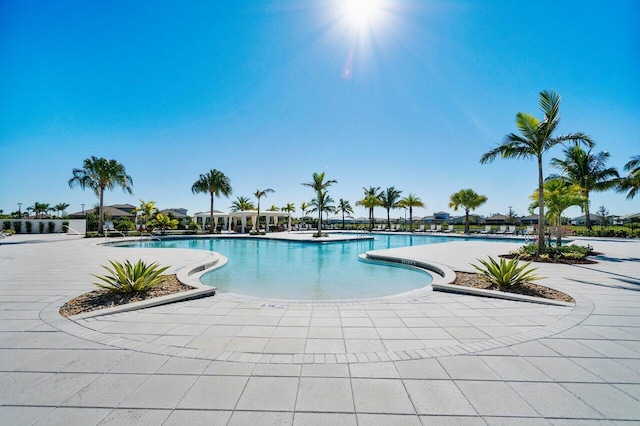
41 227
6 225
29 226
91 234
125 225
65 226
17 226
51 227
506 273
571 251
128 278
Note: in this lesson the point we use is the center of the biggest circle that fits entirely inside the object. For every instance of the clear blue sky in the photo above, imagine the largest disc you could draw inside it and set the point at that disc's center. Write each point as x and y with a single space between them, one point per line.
255 89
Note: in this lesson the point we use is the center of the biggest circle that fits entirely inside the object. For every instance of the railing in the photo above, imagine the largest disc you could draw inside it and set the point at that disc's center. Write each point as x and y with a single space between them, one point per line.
361 232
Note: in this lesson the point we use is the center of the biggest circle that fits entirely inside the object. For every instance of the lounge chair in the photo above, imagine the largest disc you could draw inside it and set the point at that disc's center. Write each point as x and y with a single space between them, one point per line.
487 230
511 230
449 229
503 230
421 229
438 228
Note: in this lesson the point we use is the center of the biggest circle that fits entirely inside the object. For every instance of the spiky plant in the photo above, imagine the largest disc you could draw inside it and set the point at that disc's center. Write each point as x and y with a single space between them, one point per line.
506 273
128 278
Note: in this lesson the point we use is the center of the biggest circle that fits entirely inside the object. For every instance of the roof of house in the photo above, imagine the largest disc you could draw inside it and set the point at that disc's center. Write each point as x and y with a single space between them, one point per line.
109 210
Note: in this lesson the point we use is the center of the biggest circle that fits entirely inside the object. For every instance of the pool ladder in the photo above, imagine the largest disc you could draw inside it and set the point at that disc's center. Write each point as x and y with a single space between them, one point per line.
361 232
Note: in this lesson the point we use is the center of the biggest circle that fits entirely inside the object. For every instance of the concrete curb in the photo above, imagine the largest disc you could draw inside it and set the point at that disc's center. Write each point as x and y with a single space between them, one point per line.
450 288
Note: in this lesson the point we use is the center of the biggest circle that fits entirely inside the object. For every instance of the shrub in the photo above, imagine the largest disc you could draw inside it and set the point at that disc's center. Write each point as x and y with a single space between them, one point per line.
125 225
29 226
506 273
41 227
91 234
51 227
17 226
6 225
65 226
128 278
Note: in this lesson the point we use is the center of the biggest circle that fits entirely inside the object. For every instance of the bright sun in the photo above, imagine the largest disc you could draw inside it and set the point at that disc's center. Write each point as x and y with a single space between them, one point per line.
362 11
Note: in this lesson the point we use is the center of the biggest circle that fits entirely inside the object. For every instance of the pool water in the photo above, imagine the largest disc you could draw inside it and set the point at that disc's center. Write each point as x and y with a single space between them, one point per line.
307 271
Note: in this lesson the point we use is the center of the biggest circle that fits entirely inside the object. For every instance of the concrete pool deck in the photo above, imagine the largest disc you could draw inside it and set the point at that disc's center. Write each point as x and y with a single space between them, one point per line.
424 358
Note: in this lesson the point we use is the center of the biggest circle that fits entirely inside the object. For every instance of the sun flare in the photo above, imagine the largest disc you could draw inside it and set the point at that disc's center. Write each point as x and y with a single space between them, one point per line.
362 11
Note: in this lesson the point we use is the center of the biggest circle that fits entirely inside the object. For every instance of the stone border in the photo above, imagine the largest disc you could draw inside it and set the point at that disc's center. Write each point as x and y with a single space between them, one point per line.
451 288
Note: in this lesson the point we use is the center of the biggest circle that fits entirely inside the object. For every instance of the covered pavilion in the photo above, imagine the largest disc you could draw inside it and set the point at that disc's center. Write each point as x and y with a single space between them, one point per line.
230 220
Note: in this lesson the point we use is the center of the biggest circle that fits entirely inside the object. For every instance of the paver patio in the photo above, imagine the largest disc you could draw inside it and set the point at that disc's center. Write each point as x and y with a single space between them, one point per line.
418 358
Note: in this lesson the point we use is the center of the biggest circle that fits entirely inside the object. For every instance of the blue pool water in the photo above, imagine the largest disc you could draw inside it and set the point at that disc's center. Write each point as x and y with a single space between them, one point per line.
308 271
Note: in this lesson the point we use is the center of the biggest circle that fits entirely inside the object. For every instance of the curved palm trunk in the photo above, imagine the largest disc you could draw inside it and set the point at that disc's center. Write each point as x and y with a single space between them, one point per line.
319 220
211 215
343 220
541 247
371 219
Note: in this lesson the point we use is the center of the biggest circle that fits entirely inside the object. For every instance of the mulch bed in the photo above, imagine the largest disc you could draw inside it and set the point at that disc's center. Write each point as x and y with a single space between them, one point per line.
466 279
101 299
563 260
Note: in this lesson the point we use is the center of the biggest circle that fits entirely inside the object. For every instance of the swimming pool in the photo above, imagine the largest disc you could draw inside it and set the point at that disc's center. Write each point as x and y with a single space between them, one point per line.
306 271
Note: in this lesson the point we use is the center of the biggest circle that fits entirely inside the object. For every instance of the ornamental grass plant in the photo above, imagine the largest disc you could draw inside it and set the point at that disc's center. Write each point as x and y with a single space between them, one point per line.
131 278
506 273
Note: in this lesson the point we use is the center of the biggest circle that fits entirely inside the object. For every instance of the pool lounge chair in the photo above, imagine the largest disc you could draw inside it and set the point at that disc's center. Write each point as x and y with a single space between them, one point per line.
511 230
449 229
487 230
502 230
438 228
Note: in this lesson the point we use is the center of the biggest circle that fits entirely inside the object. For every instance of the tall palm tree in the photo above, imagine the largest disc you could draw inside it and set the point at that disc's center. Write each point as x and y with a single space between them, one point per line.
389 200
39 208
289 208
588 170
214 182
559 196
370 201
259 194
535 140
344 207
100 174
631 182
409 202
319 185
322 204
242 204
469 200
304 208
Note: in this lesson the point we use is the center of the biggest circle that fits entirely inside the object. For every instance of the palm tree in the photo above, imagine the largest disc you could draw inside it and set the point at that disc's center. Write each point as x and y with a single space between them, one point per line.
559 196
259 194
536 138
100 174
389 200
319 185
409 202
289 208
39 208
146 211
344 207
587 170
214 182
469 200
322 204
304 207
631 182
371 199
60 208
242 204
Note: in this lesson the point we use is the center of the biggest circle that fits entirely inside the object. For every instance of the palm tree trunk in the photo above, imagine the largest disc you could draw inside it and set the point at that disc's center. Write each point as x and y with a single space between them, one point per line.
466 221
101 212
388 219
411 218
211 215
343 220
319 219
541 247
586 211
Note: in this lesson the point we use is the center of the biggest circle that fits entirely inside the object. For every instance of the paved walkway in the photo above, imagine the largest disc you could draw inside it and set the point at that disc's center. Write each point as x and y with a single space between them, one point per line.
418 358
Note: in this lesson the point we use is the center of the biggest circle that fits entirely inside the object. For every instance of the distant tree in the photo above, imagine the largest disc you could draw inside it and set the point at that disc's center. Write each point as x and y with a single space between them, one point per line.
589 171
100 174
603 215
370 201
389 200
322 204
320 186
60 208
289 208
631 182
409 202
535 140
146 211
259 194
304 208
163 222
469 200
214 182
344 207
559 196
242 204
